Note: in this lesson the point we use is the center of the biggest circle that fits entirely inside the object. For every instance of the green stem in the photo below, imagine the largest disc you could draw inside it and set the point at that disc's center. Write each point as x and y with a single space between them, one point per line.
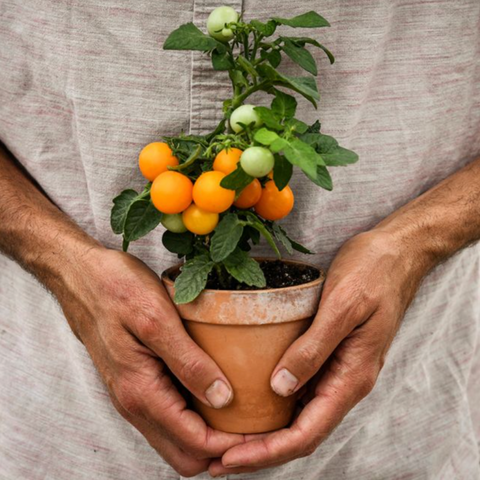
238 100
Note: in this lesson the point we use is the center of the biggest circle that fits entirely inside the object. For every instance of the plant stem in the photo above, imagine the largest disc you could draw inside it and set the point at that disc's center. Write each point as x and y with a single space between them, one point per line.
238 100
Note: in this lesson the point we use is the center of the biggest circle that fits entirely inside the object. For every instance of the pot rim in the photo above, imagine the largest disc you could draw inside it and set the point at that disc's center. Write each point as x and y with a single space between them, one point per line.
166 278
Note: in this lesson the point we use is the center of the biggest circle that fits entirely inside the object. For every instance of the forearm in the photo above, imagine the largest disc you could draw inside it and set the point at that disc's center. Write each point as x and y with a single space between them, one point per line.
34 232
440 222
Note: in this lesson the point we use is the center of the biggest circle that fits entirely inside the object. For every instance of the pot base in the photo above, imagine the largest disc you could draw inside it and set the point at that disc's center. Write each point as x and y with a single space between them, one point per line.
247 355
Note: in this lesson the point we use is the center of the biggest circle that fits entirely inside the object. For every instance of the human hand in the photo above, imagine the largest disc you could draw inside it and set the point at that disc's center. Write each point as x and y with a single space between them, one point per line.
119 309
368 288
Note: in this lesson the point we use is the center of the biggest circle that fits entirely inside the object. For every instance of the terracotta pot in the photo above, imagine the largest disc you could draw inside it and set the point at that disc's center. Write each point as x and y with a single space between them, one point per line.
246 332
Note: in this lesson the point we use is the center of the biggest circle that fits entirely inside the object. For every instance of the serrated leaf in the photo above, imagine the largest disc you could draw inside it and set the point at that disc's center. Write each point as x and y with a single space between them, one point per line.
339 157
266 29
237 180
304 40
257 224
321 178
179 243
265 137
192 279
315 127
302 155
297 125
300 248
282 172
284 105
221 59
189 37
300 55
245 269
305 86
121 204
306 20
321 143
226 236
281 236
142 217
269 118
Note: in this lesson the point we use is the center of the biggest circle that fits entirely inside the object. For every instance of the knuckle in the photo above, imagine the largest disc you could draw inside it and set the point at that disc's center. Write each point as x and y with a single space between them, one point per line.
369 378
128 395
147 327
192 369
308 353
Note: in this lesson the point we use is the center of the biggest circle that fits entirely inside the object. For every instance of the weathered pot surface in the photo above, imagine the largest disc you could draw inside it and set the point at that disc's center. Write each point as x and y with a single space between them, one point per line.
246 332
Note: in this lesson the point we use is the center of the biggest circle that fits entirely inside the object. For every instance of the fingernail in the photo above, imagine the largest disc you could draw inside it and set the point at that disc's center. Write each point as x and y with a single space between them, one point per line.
218 394
284 383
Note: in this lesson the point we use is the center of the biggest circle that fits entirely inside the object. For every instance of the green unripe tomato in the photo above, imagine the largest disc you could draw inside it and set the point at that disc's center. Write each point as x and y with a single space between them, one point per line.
246 115
173 223
217 20
257 161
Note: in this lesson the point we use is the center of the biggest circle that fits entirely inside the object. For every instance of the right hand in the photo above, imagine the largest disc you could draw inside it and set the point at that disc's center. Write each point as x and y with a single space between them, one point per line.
119 310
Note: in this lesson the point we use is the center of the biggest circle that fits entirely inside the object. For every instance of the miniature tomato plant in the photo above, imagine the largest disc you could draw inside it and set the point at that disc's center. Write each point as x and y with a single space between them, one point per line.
217 194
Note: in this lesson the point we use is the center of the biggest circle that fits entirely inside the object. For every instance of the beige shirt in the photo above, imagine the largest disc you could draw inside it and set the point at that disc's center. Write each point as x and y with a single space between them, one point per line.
84 85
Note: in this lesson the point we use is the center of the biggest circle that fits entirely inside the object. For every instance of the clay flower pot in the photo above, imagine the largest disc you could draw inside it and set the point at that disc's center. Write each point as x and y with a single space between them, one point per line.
246 332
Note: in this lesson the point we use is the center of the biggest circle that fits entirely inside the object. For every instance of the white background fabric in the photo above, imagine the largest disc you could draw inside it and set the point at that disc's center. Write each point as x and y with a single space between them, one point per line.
84 85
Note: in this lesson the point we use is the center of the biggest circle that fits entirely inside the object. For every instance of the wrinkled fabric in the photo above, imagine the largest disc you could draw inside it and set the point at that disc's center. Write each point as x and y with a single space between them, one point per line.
85 85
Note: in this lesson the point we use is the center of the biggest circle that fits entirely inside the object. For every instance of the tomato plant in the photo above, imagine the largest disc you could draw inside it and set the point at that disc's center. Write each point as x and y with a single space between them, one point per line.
217 194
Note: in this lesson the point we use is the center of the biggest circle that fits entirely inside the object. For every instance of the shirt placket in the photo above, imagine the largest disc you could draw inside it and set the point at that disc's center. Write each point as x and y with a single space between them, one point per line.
209 88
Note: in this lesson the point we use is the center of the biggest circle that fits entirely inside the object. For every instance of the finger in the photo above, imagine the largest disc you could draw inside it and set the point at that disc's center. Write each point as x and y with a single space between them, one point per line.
340 388
183 464
151 395
334 321
167 337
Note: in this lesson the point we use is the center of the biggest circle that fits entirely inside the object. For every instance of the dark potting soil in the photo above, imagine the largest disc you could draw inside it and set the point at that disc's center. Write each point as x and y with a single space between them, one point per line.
277 273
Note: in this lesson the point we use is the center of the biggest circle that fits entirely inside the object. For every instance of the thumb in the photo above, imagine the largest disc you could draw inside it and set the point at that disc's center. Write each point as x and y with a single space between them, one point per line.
197 371
309 352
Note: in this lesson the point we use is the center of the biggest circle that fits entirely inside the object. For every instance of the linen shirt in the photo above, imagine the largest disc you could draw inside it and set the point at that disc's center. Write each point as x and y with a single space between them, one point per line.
85 85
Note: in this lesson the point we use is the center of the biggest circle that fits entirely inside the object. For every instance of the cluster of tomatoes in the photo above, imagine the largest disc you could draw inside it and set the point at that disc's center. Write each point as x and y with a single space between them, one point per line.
195 206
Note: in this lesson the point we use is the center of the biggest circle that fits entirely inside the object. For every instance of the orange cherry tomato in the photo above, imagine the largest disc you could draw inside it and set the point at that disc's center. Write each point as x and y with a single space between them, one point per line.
171 192
250 195
274 204
226 161
199 221
155 159
209 195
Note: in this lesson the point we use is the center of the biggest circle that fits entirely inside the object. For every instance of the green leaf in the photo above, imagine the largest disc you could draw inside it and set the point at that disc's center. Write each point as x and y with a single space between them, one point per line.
257 224
301 41
125 245
321 178
278 145
300 248
269 118
307 20
247 66
284 105
305 86
300 55
274 57
302 155
315 127
121 204
226 236
282 171
221 59
192 279
321 143
142 217
238 78
339 157
297 125
237 180
179 243
245 269
281 236
266 29
265 137
189 37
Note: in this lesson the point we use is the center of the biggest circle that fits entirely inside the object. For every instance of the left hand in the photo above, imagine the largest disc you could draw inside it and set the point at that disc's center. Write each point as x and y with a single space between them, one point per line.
369 286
